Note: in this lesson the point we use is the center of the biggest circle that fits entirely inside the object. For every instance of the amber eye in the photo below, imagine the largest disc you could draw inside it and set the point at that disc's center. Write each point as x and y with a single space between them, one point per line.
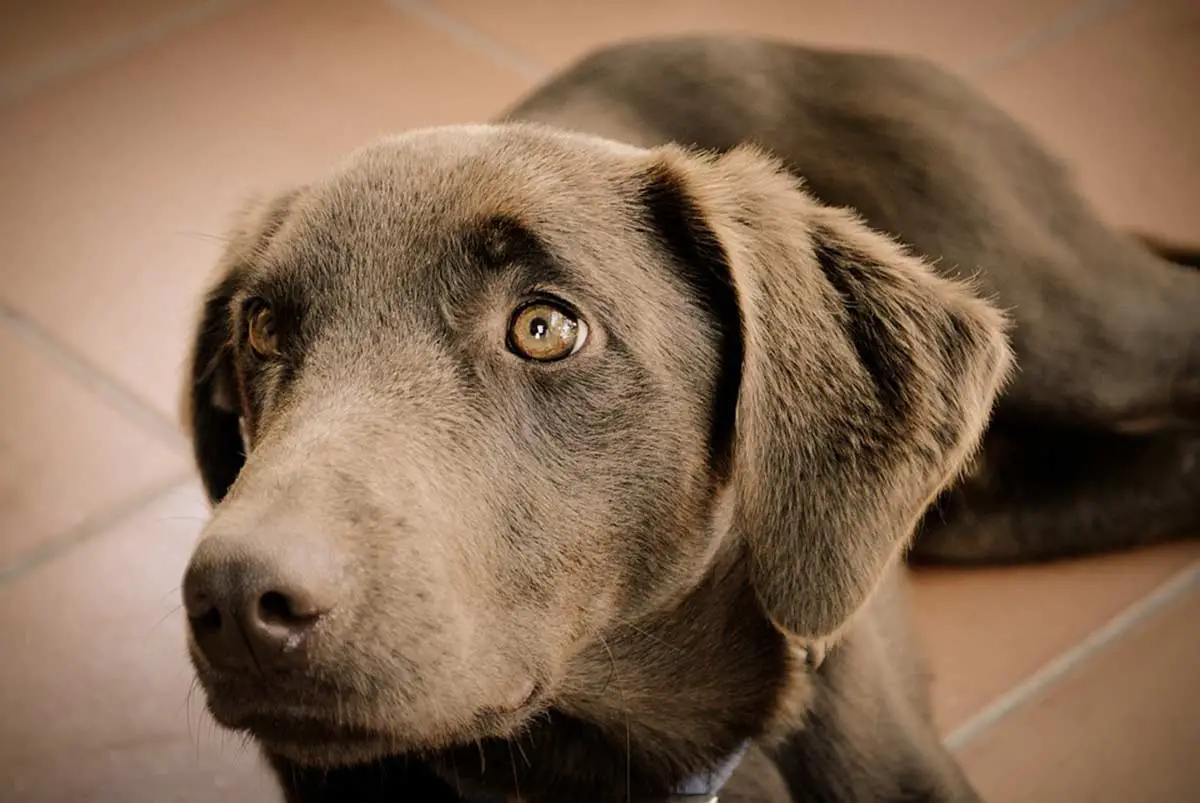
546 332
261 332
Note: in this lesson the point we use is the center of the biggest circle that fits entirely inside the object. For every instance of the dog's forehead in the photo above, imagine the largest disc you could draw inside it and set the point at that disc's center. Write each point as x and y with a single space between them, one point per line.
450 175
416 199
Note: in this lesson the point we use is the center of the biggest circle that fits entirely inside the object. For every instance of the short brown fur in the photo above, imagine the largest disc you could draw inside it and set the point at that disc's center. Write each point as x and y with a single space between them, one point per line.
590 579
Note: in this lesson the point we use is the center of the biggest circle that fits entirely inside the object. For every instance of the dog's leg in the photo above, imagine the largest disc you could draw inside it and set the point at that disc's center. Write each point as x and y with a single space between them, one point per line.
1116 348
1039 493
869 735
1046 492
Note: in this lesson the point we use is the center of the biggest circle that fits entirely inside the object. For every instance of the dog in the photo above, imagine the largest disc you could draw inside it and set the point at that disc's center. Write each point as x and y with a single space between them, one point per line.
576 456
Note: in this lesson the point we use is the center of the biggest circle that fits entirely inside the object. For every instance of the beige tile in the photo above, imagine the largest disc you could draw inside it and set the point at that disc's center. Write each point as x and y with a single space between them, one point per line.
987 630
42 40
116 183
1119 102
1123 727
95 685
551 32
65 456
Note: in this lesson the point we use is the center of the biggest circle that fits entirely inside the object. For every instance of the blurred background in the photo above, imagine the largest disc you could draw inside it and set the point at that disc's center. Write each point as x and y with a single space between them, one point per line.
131 129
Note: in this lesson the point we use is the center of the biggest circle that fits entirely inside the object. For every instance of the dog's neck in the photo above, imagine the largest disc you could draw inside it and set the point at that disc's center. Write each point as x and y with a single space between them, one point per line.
657 705
701 788
654 705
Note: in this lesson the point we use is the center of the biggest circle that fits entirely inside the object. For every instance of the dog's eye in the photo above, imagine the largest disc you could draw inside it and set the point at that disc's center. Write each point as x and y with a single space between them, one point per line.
545 332
261 333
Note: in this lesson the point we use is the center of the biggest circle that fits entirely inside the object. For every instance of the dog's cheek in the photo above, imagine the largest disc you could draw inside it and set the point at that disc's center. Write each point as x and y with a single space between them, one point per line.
583 503
643 533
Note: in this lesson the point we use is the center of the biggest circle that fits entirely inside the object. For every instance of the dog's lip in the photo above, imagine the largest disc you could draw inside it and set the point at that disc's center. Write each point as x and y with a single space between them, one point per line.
310 737
282 727
304 730
526 696
498 719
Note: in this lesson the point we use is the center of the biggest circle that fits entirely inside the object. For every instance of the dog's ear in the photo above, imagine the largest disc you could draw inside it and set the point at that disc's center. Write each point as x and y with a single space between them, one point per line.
862 381
211 405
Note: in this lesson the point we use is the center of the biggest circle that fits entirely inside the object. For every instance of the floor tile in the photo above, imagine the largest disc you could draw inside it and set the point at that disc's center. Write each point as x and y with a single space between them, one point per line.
551 32
65 456
1118 102
42 40
987 630
1123 727
95 683
119 184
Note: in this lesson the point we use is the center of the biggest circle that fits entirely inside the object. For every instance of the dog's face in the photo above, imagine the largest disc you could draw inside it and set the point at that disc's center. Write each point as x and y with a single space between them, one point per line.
486 395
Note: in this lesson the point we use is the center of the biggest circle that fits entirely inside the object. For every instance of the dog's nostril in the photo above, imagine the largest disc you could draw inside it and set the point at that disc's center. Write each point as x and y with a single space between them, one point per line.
275 606
281 609
207 622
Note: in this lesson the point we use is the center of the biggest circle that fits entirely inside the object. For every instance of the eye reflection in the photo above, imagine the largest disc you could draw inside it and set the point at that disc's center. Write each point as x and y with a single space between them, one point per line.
545 332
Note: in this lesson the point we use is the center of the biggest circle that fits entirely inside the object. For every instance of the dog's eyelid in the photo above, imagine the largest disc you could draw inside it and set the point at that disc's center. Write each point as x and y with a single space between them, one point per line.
551 297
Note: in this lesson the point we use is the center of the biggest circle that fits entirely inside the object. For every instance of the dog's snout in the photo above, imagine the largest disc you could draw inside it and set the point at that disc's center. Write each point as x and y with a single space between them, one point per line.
252 610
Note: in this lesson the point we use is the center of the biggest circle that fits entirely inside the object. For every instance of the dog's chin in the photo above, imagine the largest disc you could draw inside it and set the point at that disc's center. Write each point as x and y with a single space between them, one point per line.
313 743
313 737
337 752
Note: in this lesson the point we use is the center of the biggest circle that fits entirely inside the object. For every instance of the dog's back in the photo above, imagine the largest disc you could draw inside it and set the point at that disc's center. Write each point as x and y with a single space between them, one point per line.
1099 425
923 157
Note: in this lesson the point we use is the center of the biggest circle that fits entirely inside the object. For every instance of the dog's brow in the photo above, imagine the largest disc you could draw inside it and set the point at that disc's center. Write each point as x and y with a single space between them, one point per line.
500 242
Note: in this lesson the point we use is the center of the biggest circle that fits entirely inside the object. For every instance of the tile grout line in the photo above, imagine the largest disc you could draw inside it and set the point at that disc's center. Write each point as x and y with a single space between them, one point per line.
1069 23
91 527
1066 663
469 36
124 401
127 403
54 70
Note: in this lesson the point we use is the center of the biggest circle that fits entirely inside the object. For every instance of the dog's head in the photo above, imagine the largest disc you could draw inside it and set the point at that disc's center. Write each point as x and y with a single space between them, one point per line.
488 393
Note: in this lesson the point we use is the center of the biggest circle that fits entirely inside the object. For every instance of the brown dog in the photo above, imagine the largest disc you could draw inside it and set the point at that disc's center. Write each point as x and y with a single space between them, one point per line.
547 466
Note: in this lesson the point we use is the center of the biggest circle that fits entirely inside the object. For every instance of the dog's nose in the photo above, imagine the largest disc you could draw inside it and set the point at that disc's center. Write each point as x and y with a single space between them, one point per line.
253 610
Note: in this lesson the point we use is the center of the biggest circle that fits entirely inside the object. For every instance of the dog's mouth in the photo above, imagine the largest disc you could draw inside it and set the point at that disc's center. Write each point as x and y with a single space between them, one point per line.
305 731
310 740
322 733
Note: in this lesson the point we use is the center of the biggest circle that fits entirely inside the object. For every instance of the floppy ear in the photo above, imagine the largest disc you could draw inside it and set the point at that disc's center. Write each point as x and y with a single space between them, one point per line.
864 380
211 404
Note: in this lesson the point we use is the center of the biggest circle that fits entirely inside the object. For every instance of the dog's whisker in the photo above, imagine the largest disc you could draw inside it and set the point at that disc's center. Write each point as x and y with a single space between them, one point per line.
652 636
628 762
513 764
204 235
454 770
625 713
174 610
192 727
524 732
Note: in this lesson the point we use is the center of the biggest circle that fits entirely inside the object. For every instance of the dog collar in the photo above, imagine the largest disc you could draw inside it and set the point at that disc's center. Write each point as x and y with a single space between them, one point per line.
707 788
703 788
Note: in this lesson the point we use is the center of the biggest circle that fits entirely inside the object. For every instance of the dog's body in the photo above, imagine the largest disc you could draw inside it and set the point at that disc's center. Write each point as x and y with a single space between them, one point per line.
1105 333
596 576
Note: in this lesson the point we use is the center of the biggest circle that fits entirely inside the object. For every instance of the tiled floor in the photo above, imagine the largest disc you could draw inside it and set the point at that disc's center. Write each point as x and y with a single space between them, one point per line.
130 129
